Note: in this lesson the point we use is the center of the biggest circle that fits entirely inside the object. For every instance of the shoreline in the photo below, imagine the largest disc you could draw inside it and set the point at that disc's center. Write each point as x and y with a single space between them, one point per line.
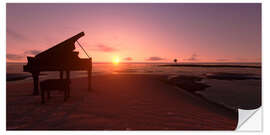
196 84
12 77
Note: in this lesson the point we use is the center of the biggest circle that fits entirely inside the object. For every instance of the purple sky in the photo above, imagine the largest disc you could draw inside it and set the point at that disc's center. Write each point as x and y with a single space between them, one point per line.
139 32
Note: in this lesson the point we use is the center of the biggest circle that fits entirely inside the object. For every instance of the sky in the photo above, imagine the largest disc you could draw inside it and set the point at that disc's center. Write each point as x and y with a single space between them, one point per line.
138 32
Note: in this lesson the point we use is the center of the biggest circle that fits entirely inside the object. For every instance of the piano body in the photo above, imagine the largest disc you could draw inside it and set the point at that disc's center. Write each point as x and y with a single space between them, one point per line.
60 57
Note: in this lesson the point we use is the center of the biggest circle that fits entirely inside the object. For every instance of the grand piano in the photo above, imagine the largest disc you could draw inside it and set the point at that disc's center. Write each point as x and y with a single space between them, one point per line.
60 57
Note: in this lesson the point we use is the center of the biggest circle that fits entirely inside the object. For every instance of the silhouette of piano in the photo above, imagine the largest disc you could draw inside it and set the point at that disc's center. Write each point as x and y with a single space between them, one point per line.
60 57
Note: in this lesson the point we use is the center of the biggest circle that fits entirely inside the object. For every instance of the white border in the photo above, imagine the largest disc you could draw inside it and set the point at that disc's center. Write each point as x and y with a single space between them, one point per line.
3 67
265 67
134 1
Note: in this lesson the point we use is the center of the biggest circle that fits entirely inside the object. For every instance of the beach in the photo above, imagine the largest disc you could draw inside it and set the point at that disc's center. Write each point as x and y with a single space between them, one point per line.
116 102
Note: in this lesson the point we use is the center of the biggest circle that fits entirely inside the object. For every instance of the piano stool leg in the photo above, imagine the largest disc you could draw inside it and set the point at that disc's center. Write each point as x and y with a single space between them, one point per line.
36 81
61 74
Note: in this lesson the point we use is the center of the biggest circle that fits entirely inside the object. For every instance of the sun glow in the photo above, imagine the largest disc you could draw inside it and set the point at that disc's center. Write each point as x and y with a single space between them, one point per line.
116 60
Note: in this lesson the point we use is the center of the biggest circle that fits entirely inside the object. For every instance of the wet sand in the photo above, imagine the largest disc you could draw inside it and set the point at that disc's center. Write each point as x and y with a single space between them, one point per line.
116 102
220 88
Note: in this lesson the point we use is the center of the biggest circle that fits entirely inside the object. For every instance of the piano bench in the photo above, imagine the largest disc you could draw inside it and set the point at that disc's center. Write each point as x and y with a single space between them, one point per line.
54 84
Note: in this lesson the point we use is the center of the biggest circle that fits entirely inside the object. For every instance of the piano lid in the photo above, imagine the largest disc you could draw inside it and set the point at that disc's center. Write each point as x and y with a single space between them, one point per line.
62 48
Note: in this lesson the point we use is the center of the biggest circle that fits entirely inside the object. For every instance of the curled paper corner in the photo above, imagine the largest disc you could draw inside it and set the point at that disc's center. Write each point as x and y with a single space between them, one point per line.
249 120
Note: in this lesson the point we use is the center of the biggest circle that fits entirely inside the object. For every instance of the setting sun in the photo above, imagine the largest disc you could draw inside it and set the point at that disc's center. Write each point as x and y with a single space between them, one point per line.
116 60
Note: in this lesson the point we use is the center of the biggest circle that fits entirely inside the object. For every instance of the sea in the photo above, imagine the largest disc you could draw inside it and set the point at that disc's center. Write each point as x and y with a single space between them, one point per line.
244 94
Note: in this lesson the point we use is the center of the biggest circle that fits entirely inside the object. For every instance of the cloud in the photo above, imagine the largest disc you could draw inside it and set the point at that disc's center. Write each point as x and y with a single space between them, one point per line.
222 59
105 48
241 59
155 58
16 35
14 56
128 59
193 57
32 52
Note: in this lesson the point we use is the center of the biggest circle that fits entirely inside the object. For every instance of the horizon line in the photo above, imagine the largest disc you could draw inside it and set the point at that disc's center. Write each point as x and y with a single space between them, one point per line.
137 62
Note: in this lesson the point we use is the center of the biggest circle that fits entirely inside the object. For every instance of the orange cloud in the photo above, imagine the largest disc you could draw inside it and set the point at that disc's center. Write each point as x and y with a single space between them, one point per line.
105 48
155 58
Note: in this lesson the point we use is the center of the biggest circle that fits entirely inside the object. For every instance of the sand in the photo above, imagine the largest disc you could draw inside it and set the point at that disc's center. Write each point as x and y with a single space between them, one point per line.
116 102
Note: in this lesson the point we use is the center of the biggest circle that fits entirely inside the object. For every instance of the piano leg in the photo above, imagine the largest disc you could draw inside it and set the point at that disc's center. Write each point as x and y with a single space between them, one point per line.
68 87
35 76
68 75
61 74
90 78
